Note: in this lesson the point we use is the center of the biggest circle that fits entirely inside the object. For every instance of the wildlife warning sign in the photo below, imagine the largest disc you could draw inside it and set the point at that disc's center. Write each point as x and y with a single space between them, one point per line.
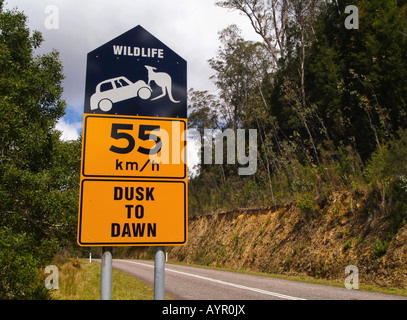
136 74
133 188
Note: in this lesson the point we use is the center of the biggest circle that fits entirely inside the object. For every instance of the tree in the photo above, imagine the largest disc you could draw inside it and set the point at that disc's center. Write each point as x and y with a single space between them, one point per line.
38 172
354 76
202 110
203 114
286 28
321 97
269 19
231 76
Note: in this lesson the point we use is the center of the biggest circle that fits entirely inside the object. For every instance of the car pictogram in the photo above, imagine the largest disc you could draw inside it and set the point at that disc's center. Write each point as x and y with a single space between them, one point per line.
118 89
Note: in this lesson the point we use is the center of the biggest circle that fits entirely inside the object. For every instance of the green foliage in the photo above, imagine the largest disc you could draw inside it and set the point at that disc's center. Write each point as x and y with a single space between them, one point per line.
347 245
379 248
398 206
387 175
329 106
308 205
39 174
353 76
22 258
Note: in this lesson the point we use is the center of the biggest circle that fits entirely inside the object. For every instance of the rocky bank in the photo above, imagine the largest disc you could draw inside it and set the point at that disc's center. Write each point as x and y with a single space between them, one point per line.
285 240
320 243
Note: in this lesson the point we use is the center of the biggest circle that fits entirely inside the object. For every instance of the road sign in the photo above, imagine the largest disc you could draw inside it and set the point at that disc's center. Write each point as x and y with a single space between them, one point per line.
136 74
134 147
125 212
133 174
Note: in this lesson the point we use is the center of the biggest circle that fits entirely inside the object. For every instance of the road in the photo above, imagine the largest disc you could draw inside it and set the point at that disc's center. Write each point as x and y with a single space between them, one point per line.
192 283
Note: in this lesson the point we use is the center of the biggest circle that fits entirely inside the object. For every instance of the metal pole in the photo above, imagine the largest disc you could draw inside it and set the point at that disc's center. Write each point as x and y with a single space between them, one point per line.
159 274
106 278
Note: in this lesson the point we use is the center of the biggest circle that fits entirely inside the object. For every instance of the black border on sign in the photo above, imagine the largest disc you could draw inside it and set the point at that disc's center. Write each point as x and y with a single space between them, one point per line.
185 240
86 116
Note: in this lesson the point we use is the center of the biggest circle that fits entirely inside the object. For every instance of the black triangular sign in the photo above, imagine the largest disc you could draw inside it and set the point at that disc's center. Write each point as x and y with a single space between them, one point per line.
136 74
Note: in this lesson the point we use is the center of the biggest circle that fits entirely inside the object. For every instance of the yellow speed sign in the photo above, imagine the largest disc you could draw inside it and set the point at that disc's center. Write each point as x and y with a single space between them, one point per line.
134 147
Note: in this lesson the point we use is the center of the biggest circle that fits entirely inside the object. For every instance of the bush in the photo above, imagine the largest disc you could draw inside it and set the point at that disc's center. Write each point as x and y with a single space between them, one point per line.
308 205
379 248
21 262
398 204
387 174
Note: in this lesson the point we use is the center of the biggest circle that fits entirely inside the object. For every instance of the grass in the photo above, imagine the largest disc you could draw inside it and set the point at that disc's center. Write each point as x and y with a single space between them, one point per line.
80 280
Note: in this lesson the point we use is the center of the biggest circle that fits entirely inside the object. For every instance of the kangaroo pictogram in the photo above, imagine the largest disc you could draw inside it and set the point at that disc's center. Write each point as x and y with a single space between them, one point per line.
162 80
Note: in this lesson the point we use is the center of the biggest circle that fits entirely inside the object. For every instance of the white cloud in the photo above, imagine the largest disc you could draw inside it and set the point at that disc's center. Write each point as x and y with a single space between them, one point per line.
70 131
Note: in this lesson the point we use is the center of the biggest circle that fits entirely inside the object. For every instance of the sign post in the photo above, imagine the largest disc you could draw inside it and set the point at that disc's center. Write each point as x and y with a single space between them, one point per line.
159 273
133 188
106 274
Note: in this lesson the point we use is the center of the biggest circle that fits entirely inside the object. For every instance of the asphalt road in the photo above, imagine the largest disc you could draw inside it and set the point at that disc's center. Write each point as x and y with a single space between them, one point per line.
191 283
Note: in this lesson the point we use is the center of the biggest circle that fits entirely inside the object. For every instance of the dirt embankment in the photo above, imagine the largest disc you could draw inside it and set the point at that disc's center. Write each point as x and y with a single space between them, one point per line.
285 240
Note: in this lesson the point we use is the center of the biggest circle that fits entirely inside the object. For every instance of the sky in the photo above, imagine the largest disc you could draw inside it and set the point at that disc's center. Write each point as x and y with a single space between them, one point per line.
189 27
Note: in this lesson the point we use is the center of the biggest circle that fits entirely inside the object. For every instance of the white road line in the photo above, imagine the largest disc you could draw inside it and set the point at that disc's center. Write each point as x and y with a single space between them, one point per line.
239 286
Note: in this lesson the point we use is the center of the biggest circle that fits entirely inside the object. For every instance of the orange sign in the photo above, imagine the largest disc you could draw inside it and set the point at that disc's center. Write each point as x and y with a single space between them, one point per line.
133 181
130 212
134 147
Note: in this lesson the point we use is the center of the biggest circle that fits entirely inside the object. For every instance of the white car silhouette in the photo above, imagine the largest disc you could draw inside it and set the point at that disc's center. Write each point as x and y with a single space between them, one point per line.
118 89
